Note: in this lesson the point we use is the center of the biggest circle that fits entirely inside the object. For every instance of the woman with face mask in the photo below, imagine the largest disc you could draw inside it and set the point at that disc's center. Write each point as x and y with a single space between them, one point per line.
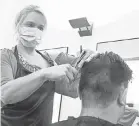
29 78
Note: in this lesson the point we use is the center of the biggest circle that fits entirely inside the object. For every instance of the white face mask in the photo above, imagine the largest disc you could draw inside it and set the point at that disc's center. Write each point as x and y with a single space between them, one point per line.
30 37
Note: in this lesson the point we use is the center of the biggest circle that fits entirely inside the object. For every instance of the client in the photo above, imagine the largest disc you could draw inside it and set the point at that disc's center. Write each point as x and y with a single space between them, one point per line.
104 81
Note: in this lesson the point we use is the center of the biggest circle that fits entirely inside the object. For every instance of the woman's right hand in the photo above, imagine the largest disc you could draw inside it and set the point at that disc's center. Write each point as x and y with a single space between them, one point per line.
63 72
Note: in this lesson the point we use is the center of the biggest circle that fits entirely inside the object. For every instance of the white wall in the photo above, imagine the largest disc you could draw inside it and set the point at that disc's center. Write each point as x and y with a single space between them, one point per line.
60 38
126 27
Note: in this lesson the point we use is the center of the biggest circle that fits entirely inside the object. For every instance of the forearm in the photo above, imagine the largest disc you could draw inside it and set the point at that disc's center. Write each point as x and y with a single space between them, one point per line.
21 88
63 58
70 90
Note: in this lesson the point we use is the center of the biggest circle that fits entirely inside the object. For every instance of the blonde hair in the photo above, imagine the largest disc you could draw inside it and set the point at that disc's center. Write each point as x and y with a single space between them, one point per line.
24 12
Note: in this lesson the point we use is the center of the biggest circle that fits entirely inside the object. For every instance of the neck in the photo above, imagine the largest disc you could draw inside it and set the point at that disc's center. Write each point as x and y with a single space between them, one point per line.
110 114
25 50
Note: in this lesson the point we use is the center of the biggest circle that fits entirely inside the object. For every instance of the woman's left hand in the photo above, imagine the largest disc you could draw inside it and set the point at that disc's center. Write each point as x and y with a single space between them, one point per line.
73 87
85 56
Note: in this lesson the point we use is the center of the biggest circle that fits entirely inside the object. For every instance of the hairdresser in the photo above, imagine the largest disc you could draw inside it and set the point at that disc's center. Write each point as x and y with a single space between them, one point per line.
30 78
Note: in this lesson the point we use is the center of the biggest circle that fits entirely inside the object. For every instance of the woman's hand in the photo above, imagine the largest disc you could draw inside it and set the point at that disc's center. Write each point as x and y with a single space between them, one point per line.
64 72
85 56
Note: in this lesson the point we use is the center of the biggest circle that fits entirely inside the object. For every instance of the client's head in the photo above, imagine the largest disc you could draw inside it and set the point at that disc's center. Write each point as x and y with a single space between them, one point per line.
104 80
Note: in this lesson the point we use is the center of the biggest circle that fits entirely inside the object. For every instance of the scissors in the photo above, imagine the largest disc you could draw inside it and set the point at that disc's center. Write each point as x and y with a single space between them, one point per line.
79 60
76 65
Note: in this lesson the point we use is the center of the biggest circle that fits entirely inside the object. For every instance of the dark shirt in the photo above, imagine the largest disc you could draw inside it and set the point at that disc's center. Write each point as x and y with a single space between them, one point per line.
84 121
36 110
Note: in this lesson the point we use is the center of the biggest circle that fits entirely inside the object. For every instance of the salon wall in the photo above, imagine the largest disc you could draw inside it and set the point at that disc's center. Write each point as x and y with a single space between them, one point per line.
125 27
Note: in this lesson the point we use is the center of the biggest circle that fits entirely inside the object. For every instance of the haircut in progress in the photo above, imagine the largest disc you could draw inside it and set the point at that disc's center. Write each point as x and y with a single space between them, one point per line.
102 89
102 78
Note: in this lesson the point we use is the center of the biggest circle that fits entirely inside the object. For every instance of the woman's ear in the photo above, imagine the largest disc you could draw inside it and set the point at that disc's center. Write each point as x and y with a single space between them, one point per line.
122 96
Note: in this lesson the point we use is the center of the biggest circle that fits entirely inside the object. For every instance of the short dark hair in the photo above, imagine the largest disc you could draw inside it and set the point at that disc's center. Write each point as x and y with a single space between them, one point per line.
104 74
